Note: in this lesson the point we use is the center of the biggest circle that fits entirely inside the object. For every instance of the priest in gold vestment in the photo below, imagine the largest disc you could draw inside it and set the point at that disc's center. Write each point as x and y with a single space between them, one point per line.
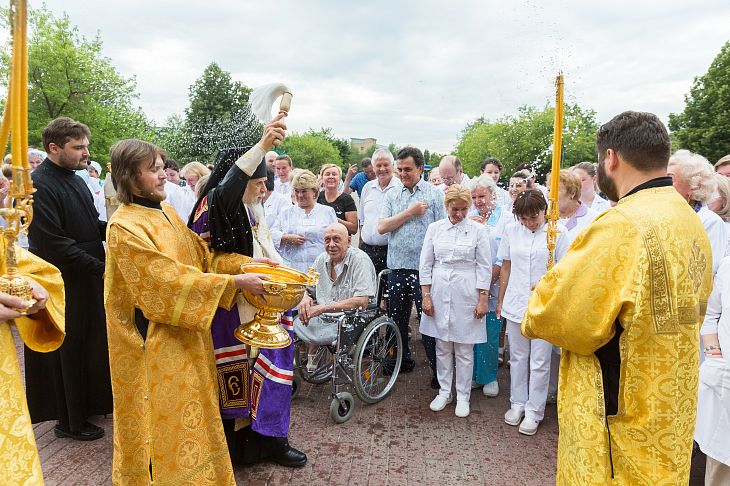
625 304
162 288
43 331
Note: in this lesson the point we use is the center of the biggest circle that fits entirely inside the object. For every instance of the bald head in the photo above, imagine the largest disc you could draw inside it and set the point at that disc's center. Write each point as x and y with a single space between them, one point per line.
450 170
270 157
336 241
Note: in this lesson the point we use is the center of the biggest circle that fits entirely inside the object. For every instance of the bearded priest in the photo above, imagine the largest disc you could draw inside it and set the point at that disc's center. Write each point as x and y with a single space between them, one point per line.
625 304
162 288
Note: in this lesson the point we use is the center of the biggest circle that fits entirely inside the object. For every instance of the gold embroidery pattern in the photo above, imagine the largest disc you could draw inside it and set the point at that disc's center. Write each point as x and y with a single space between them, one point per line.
257 382
643 264
165 388
662 309
233 384
697 265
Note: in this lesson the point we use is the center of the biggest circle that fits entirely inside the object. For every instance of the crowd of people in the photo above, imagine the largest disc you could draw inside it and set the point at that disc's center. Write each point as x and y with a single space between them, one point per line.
151 257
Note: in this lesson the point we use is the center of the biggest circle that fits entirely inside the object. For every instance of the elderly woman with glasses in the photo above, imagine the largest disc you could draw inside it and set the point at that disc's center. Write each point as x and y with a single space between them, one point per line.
455 275
488 212
693 178
298 233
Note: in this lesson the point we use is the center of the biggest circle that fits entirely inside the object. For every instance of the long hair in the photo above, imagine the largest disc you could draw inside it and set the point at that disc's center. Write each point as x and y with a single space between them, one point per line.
125 159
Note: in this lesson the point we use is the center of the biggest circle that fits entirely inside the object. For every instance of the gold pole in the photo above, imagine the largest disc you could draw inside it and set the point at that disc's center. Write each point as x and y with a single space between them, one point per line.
553 215
19 212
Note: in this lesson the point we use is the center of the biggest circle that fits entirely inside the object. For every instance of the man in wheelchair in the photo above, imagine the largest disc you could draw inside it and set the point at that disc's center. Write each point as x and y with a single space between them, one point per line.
347 281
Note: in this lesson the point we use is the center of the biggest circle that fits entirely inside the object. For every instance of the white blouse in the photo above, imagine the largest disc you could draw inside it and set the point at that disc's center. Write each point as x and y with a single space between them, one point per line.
600 205
456 261
295 220
528 256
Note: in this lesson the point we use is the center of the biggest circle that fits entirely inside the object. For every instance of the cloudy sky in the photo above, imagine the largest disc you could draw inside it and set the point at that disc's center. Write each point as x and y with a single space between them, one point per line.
413 72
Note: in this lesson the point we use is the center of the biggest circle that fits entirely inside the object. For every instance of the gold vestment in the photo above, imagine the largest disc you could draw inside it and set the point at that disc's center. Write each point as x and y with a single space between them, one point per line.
647 264
165 399
42 332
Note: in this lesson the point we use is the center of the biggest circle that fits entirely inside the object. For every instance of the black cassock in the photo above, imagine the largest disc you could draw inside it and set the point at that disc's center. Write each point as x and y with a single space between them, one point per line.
72 383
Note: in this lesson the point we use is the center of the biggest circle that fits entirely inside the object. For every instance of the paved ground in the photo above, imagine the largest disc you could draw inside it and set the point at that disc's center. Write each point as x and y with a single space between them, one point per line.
397 441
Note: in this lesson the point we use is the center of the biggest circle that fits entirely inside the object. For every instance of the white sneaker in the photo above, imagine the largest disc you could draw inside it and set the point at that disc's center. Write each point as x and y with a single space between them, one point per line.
438 403
513 416
528 426
462 408
491 389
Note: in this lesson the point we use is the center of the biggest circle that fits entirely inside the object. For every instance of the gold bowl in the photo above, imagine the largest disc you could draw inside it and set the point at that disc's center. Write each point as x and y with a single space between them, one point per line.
284 290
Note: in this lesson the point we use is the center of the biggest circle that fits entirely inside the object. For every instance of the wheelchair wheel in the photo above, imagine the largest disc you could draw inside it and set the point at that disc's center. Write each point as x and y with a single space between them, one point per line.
296 386
325 363
342 406
378 356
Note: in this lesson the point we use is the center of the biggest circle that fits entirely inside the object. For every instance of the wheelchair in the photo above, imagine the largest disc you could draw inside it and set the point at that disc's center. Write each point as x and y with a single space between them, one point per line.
365 358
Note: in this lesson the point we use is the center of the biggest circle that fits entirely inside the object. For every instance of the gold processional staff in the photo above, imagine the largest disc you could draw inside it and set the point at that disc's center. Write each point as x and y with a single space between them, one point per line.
19 212
553 215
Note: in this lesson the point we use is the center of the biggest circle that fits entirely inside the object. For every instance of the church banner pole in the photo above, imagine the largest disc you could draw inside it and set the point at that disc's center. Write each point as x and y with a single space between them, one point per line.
552 214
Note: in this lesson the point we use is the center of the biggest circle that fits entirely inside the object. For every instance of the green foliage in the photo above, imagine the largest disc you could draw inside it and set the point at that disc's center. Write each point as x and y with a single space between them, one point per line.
310 151
343 145
704 125
218 116
528 137
214 95
69 76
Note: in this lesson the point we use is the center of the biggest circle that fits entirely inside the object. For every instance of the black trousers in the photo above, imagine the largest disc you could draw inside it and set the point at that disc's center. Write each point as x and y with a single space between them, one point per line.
404 290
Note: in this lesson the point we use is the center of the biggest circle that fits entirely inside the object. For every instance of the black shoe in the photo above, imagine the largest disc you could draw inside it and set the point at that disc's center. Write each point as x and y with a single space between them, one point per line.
278 450
88 432
435 383
407 365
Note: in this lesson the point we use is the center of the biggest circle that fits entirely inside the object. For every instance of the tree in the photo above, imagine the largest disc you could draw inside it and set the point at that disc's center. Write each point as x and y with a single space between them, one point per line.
217 116
342 145
527 137
704 125
310 151
214 95
69 76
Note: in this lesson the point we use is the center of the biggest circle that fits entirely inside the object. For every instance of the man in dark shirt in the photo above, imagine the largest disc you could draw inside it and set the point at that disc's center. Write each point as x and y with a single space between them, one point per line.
71 384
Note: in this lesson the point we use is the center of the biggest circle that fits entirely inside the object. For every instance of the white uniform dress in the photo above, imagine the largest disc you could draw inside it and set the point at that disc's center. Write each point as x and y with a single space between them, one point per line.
717 233
712 432
600 204
274 205
295 220
456 261
529 358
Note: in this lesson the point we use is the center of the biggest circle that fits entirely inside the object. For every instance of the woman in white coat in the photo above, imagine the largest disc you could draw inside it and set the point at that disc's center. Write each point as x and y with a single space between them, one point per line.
524 254
713 406
455 275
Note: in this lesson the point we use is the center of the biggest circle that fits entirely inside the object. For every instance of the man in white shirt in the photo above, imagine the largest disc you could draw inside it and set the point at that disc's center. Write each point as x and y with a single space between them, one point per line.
371 201
451 172
274 202
283 166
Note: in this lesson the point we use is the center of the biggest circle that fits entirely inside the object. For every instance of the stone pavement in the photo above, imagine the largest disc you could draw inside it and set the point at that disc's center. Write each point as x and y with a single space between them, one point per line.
397 441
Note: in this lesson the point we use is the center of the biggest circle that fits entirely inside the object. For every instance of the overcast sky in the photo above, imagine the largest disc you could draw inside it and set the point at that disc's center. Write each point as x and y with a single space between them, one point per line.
413 72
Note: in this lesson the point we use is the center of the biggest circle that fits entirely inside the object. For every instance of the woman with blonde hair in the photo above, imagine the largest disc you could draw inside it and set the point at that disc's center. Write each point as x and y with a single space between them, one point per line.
720 204
587 173
332 196
693 177
574 213
192 172
298 233
455 275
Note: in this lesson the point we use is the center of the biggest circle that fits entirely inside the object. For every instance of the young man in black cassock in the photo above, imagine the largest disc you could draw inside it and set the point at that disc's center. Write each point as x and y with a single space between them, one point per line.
71 384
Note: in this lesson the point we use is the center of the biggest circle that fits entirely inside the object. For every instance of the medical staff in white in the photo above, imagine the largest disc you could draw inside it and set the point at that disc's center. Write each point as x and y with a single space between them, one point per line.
524 254
455 275
713 406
